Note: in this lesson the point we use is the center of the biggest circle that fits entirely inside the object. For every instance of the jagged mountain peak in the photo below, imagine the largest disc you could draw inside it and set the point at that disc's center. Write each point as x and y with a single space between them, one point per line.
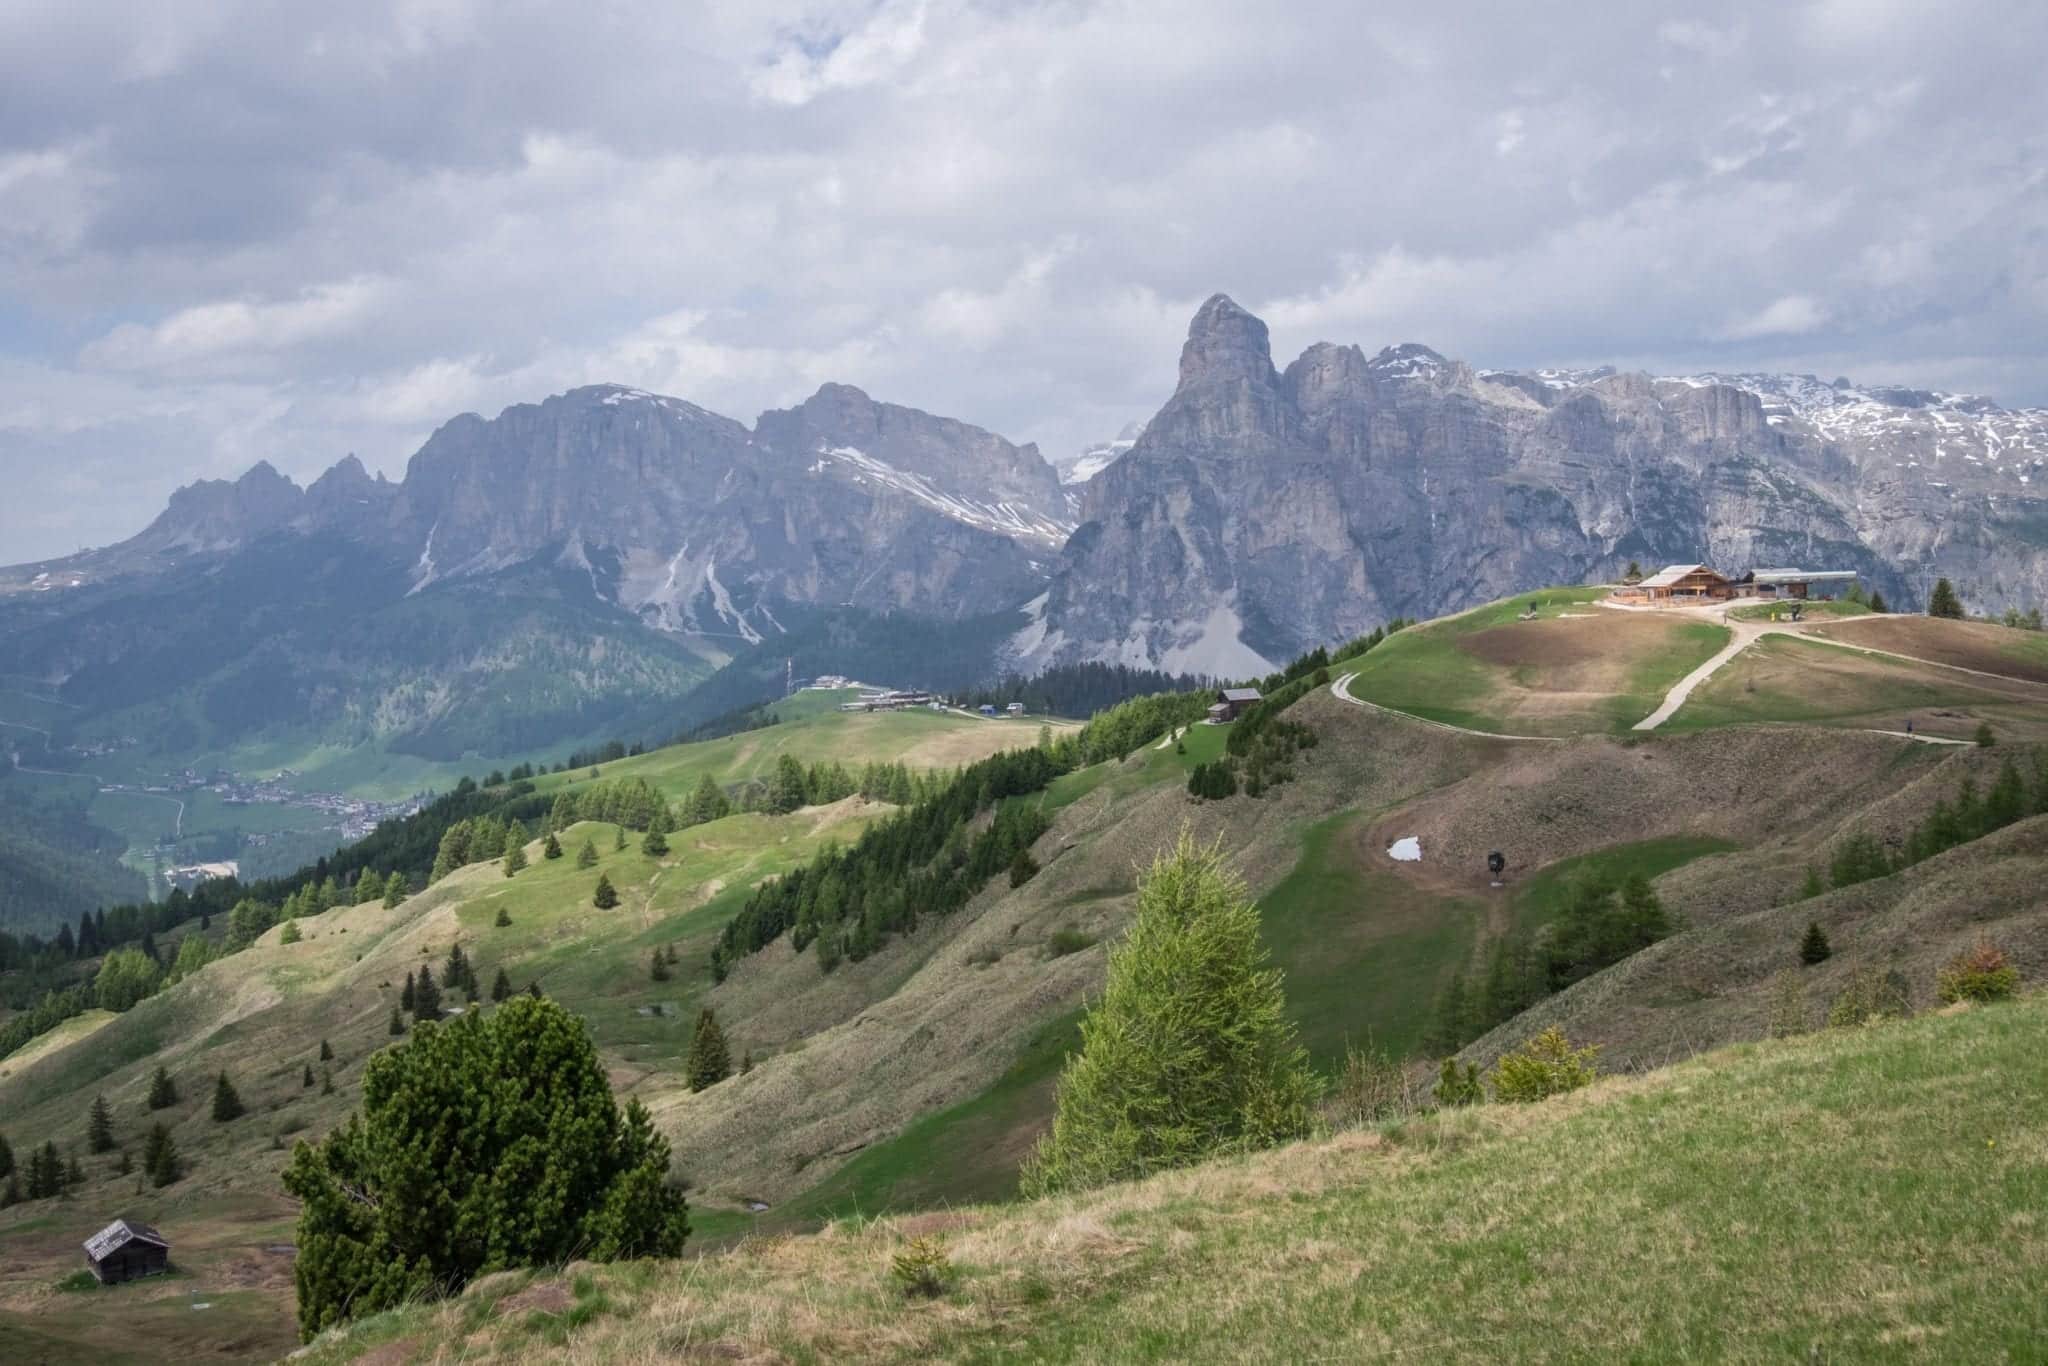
1226 343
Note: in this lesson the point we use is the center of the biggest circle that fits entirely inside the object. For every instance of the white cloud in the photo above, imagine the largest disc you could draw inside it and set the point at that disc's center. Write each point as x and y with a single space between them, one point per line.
1790 316
265 231
233 334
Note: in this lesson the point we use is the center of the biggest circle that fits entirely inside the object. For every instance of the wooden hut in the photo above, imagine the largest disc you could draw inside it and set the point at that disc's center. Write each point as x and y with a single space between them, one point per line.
124 1251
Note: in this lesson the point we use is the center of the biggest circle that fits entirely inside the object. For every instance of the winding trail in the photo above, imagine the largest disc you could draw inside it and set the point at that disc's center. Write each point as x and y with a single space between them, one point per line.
1746 635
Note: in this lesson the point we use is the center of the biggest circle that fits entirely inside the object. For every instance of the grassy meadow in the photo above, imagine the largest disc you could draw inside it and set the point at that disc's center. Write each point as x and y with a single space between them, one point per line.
1573 668
1892 1217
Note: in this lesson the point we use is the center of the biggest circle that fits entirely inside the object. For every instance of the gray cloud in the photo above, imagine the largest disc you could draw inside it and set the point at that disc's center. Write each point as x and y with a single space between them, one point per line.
244 231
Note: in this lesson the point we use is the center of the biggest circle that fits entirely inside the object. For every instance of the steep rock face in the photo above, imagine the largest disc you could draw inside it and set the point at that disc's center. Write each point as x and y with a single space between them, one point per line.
1260 514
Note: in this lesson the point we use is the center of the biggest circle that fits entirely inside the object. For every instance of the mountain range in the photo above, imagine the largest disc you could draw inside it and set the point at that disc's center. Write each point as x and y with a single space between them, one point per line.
585 561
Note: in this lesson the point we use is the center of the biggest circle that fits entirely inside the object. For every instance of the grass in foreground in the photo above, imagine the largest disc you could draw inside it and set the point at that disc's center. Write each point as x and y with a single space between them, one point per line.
1870 1195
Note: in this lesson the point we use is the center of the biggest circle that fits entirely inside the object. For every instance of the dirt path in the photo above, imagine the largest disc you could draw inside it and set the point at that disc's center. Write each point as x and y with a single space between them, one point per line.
1923 739
1341 690
1747 633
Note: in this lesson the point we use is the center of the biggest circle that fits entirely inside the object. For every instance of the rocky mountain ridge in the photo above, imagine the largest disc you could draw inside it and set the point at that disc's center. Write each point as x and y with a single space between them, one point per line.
1264 512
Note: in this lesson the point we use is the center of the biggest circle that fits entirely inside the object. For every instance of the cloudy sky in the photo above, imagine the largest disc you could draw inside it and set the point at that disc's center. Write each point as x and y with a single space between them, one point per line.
232 232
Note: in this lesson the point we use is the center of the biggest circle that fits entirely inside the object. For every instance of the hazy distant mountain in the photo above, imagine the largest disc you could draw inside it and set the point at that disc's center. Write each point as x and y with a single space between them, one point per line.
562 567
580 564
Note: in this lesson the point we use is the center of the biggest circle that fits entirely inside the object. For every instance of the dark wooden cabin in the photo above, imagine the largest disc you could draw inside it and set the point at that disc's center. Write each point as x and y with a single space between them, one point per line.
123 1251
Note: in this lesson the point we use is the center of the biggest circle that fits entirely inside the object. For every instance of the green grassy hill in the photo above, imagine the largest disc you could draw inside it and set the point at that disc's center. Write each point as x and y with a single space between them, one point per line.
1869 1194
916 1078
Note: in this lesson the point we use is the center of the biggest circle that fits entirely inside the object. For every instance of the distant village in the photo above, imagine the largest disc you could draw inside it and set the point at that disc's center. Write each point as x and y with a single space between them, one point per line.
899 699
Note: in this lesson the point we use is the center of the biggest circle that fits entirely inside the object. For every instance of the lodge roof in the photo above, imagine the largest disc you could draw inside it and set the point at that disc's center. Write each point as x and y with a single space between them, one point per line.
1672 573
118 1235
1240 694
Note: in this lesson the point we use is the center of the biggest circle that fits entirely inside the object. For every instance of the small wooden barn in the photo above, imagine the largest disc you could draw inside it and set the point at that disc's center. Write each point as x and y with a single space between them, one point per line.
1236 701
124 1251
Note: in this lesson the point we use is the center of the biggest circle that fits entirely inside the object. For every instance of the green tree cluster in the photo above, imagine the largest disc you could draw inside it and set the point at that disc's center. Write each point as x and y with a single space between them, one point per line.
402 1202
126 976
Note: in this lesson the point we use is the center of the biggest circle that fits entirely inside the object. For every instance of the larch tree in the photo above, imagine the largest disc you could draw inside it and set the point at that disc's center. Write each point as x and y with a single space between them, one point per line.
1190 1052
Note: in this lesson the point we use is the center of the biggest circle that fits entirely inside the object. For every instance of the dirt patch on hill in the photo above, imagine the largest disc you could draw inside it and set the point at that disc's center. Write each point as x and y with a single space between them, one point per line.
1587 654
1965 644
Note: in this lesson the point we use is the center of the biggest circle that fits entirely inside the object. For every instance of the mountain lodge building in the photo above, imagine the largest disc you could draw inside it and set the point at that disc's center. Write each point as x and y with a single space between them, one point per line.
1679 585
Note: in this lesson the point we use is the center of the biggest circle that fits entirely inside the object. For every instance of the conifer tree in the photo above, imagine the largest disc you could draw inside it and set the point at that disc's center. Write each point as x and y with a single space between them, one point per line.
656 843
99 1127
552 847
504 918
619 838
406 997
1877 603
160 1161
290 933
658 968
533 990
586 857
708 1062
123 1164
501 986
1813 886
326 1082
227 1104
455 972
11 1193
74 1175
6 1157
426 997
605 897
1190 1051
326 1051
541 1175
746 1062
162 1090
1814 948
397 1025
306 1077
515 856
394 889
1943 602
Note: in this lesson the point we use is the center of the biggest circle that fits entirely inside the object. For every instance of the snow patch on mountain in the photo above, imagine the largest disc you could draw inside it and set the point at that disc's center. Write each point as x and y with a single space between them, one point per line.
1005 518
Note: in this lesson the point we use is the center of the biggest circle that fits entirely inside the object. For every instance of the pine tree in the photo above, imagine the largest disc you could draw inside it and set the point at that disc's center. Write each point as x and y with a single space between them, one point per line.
160 1157
99 1127
1985 737
394 889
162 1090
455 972
1944 602
306 1077
426 997
551 847
501 986
656 843
619 838
326 1082
1877 603
227 1104
406 998
503 919
604 898
290 933
1189 1051
746 1062
708 1062
6 1157
515 856
326 1051
533 990
535 1175
658 969
397 1025
586 857
1813 886
1814 947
